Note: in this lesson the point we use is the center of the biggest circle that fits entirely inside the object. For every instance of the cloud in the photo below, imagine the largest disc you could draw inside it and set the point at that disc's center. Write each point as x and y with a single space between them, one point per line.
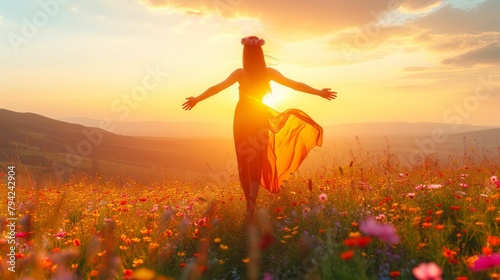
489 54
452 20
293 18
419 5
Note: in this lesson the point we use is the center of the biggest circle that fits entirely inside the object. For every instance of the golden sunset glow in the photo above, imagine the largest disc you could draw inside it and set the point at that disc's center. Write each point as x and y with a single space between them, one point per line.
138 60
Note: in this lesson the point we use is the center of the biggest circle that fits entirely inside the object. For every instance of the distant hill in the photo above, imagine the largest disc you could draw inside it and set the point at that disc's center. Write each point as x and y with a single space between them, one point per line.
48 146
399 128
62 149
197 129
159 128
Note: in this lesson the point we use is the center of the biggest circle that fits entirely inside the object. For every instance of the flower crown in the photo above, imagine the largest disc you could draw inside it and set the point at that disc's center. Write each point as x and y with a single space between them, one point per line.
252 41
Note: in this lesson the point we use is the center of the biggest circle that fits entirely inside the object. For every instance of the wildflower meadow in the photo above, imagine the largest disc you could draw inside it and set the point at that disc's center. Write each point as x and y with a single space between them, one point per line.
370 218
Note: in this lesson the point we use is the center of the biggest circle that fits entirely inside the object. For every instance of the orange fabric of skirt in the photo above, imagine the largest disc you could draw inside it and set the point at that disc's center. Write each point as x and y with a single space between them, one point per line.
271 145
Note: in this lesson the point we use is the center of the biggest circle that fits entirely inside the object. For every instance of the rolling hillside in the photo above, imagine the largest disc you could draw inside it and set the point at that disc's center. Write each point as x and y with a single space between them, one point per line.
62 149
47 145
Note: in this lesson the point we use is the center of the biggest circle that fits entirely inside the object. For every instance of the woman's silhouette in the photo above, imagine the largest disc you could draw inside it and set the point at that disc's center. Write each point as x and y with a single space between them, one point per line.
269 145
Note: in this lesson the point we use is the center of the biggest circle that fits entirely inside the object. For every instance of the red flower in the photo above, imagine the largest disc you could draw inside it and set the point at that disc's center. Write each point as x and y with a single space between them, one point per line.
142 199
347 255
358 241
394 274
266 241
128 272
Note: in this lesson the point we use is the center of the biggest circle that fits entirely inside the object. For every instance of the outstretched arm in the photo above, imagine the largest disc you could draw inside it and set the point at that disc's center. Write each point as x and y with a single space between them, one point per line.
192 101
276 76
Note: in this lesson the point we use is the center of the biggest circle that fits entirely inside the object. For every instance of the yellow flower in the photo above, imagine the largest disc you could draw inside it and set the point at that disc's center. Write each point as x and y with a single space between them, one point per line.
144 274
100 254
354 234
153 245
137 263
223 247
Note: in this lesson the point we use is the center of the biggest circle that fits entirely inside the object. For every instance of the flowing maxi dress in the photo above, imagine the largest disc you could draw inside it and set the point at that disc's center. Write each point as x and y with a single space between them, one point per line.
271 145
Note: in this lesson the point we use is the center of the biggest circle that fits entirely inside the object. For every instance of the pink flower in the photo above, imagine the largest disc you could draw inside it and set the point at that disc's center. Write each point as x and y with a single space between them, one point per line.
486 262
60 234
21 235
428 271
323 197
384 232
495 181
434 186
410 195
267 276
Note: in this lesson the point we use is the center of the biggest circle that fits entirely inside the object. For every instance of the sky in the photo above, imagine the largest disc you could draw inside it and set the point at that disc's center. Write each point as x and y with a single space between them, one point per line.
137 60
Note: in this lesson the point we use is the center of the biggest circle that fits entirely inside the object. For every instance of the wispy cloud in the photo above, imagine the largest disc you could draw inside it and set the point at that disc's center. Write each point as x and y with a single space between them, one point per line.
420 5
307 18
489 55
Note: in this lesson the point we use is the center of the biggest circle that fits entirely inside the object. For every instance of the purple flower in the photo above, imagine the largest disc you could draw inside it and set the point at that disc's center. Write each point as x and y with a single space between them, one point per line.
486 262
384 232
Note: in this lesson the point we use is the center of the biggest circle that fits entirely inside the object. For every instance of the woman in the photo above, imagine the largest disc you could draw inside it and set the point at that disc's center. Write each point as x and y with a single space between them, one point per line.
269 145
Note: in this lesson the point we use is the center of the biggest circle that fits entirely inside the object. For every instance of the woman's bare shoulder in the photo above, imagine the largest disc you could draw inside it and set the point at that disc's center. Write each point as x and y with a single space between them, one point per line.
273 73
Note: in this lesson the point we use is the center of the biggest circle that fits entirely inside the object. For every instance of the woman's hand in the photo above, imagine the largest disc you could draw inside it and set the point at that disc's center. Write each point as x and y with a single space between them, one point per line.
327 94
190 103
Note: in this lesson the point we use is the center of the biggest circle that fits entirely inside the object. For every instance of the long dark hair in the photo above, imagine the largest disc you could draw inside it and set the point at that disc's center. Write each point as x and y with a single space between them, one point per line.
255 64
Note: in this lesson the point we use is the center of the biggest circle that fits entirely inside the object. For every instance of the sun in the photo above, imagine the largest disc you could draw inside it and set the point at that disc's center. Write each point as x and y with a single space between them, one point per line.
277 97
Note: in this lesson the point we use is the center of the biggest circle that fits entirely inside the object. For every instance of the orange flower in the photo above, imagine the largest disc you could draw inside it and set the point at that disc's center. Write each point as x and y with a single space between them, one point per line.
426 225
347 255
494 240
486 250
449 254
439 227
